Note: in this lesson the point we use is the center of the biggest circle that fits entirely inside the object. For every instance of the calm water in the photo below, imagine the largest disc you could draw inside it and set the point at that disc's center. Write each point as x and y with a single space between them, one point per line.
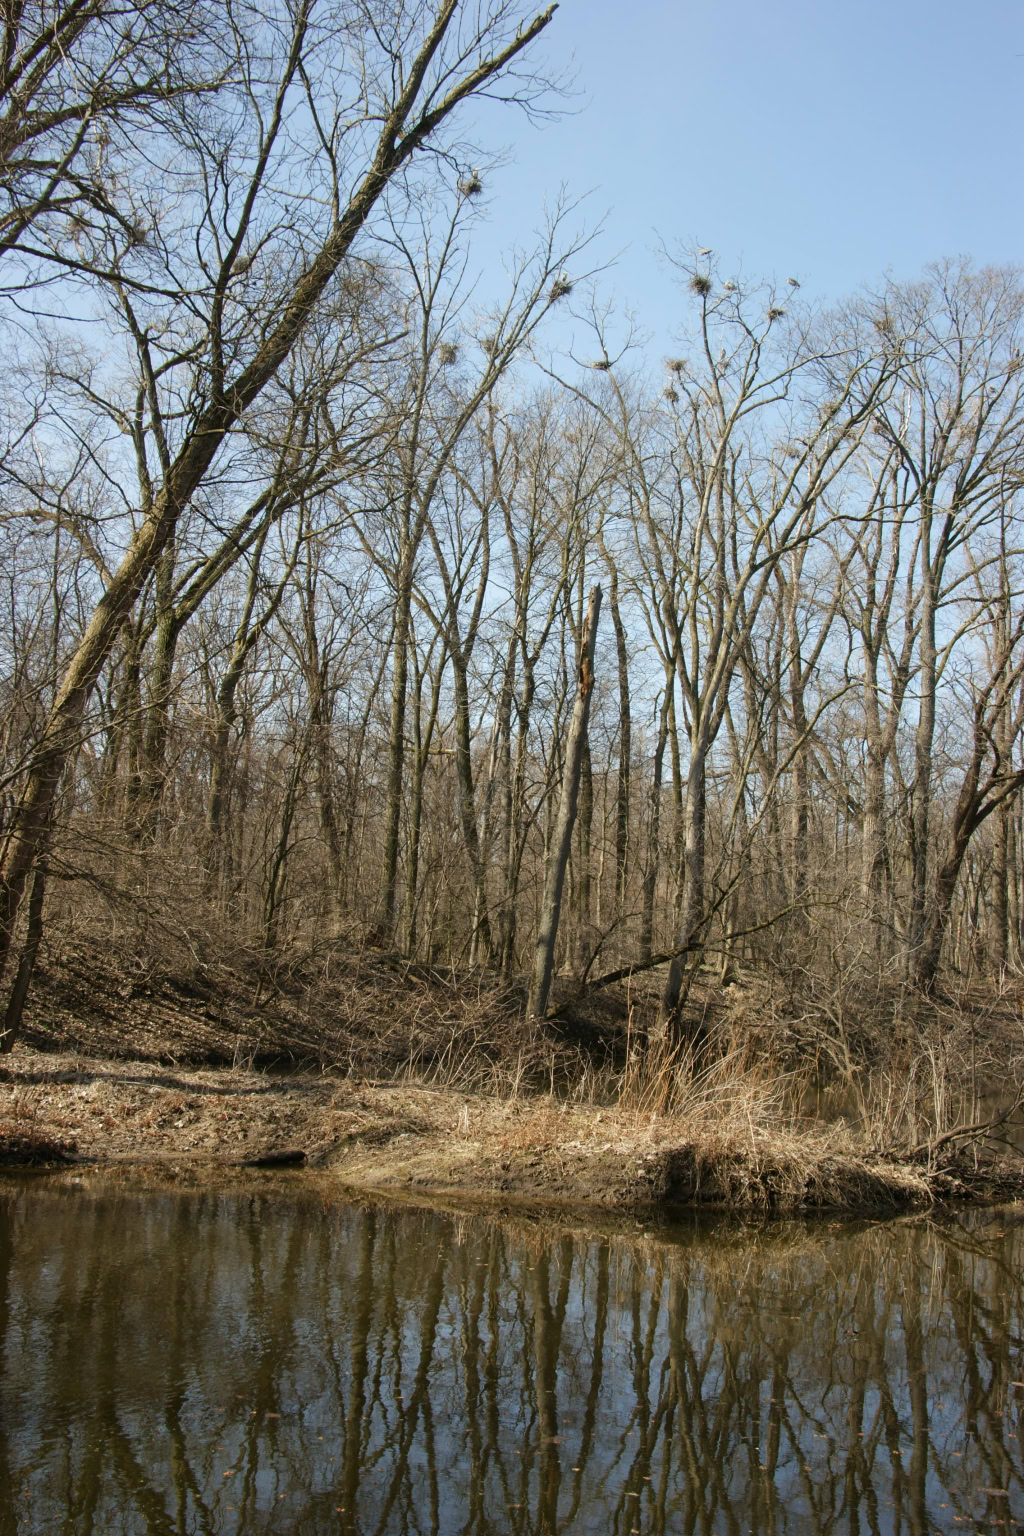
264 1360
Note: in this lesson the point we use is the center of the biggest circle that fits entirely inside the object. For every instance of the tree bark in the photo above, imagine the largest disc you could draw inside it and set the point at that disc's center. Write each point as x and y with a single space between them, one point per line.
692 904
650 883
561 842
622 782
26 961
918 961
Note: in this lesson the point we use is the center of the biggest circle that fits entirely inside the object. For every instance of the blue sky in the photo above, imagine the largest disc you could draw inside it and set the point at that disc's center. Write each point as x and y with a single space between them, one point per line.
830 142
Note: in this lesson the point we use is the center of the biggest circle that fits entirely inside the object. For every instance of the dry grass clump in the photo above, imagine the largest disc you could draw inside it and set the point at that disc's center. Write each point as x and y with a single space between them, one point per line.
26 1145
776 1171
725 1136
910 1076
738 1139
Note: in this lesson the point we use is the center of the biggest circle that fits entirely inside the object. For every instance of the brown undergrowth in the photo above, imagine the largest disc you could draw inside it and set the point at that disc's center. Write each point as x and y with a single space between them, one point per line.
402 1077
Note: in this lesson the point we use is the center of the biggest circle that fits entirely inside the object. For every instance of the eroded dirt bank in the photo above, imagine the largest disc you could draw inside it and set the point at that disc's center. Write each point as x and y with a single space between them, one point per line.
390 1136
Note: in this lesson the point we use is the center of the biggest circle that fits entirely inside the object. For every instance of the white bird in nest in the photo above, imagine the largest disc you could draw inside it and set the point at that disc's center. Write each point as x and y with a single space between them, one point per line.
707 250
729 287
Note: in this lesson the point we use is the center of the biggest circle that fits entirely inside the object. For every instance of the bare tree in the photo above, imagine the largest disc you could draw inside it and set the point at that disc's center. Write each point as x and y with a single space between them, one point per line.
265 229
956 432
80 82
723 503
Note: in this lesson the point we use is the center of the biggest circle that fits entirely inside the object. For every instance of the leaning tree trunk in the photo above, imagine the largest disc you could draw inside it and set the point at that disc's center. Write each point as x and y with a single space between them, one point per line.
26 961
561 841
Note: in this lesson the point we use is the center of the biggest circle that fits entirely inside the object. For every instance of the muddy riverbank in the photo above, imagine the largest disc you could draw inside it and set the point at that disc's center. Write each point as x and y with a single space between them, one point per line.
384 1135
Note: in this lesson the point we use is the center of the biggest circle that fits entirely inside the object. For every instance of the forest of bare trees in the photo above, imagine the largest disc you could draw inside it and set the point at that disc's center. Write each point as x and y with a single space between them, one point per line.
298 534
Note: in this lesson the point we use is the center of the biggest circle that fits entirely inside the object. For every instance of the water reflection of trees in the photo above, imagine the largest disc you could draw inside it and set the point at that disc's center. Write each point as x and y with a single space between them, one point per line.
179 1363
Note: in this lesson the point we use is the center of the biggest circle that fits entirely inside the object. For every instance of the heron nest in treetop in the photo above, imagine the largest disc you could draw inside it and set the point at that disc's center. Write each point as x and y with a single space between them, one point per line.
700 284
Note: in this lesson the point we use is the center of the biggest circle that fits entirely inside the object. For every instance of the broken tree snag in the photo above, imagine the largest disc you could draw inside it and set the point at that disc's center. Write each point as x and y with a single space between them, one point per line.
561 842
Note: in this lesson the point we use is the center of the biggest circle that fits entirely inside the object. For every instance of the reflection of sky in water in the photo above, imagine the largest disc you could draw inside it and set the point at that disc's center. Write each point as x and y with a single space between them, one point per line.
239 1362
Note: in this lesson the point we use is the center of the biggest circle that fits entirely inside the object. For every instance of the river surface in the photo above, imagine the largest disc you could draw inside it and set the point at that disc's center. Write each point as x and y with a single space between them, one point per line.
275 1358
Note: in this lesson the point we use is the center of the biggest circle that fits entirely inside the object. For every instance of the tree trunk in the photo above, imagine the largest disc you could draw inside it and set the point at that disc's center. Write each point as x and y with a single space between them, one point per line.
923 750
975 803
999 937
125 754
653 833
410 936
518 824
625 743
692 905
584 904
480 946
498 784
678 810
424 728
561 843
282 848
26 961
158 712
247 636
799 818
396 755
873 858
